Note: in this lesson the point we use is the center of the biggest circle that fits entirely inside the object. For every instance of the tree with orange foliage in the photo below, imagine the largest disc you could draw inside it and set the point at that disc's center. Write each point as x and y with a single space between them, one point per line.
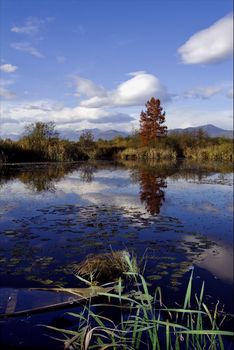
151 121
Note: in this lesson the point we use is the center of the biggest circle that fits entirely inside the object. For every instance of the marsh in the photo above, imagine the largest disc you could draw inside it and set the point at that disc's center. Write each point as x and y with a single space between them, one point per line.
177 214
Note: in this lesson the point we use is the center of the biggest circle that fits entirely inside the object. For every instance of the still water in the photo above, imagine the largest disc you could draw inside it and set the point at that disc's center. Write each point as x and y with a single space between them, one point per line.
179 215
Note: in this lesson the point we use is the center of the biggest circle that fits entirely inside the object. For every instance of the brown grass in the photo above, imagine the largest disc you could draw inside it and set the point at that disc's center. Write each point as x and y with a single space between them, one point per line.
104 267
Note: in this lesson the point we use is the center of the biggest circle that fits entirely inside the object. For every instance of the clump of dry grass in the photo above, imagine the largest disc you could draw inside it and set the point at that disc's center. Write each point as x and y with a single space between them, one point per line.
105 267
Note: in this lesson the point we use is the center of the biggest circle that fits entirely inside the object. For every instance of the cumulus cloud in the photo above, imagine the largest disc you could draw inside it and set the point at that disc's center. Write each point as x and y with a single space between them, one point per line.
31 26
28 48
8 68
134 92
46 110
210 45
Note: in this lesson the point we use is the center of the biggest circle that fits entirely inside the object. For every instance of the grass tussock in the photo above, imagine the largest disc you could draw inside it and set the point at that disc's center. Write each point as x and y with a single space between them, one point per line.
105 267
142 321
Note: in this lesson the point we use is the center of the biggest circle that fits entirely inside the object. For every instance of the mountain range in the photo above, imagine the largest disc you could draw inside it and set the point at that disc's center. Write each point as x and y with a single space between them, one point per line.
97 134
211 130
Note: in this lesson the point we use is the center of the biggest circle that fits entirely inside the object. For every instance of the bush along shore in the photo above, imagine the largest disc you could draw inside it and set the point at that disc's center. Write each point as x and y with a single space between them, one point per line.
140 318
41 146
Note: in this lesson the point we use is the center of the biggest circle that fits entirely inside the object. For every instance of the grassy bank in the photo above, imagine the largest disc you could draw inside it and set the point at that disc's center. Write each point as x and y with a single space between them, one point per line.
54 149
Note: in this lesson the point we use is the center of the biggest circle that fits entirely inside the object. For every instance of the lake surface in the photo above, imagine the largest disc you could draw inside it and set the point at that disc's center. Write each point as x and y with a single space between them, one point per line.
179 215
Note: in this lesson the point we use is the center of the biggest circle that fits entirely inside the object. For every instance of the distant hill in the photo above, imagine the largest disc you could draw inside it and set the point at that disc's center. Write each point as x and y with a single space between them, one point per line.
211 130
97 133
74 135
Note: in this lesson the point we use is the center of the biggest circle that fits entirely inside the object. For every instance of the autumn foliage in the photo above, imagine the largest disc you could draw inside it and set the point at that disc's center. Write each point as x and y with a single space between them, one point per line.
151 121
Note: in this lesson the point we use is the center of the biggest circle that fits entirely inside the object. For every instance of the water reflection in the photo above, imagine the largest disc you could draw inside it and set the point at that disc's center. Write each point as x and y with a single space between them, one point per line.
151 191
44 179
87 171
36 177
151 175
212 256
89 207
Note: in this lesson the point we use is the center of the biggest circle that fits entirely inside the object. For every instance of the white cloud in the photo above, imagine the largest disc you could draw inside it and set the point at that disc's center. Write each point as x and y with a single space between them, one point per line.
206 92
6 93
6 82
186 117
213 44
133 92
17 115
71 117
203 92
86 87
118 109
8 68
138 89
31 26
28 48
230 93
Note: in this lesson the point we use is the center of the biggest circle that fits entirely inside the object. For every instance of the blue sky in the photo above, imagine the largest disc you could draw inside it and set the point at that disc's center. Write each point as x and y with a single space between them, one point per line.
95 63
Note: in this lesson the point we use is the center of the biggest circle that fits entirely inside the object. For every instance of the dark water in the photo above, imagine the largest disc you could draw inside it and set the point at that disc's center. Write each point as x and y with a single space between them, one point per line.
52 216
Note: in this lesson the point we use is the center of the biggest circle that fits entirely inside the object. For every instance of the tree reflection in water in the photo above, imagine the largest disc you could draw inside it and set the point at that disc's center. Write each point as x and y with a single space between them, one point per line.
44 177
151 191
36 177
87 171
42 180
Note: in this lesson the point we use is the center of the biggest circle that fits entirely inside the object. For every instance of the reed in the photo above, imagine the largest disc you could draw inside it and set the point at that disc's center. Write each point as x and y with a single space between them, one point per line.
148 153
144 322
223 152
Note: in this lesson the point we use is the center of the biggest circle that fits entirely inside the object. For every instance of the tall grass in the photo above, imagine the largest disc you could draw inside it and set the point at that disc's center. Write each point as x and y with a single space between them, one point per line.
144 322
222 152
148 153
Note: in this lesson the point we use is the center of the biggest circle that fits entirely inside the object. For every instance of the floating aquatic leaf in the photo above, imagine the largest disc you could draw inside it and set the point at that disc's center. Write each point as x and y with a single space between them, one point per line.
46 282
154 277
10 233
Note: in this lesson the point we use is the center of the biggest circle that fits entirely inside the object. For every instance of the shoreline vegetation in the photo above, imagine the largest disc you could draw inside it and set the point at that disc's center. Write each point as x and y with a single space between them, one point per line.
51 148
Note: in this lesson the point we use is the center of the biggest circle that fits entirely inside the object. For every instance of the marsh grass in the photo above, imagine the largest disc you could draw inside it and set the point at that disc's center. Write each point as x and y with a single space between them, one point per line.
148 153
140 320
218 152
